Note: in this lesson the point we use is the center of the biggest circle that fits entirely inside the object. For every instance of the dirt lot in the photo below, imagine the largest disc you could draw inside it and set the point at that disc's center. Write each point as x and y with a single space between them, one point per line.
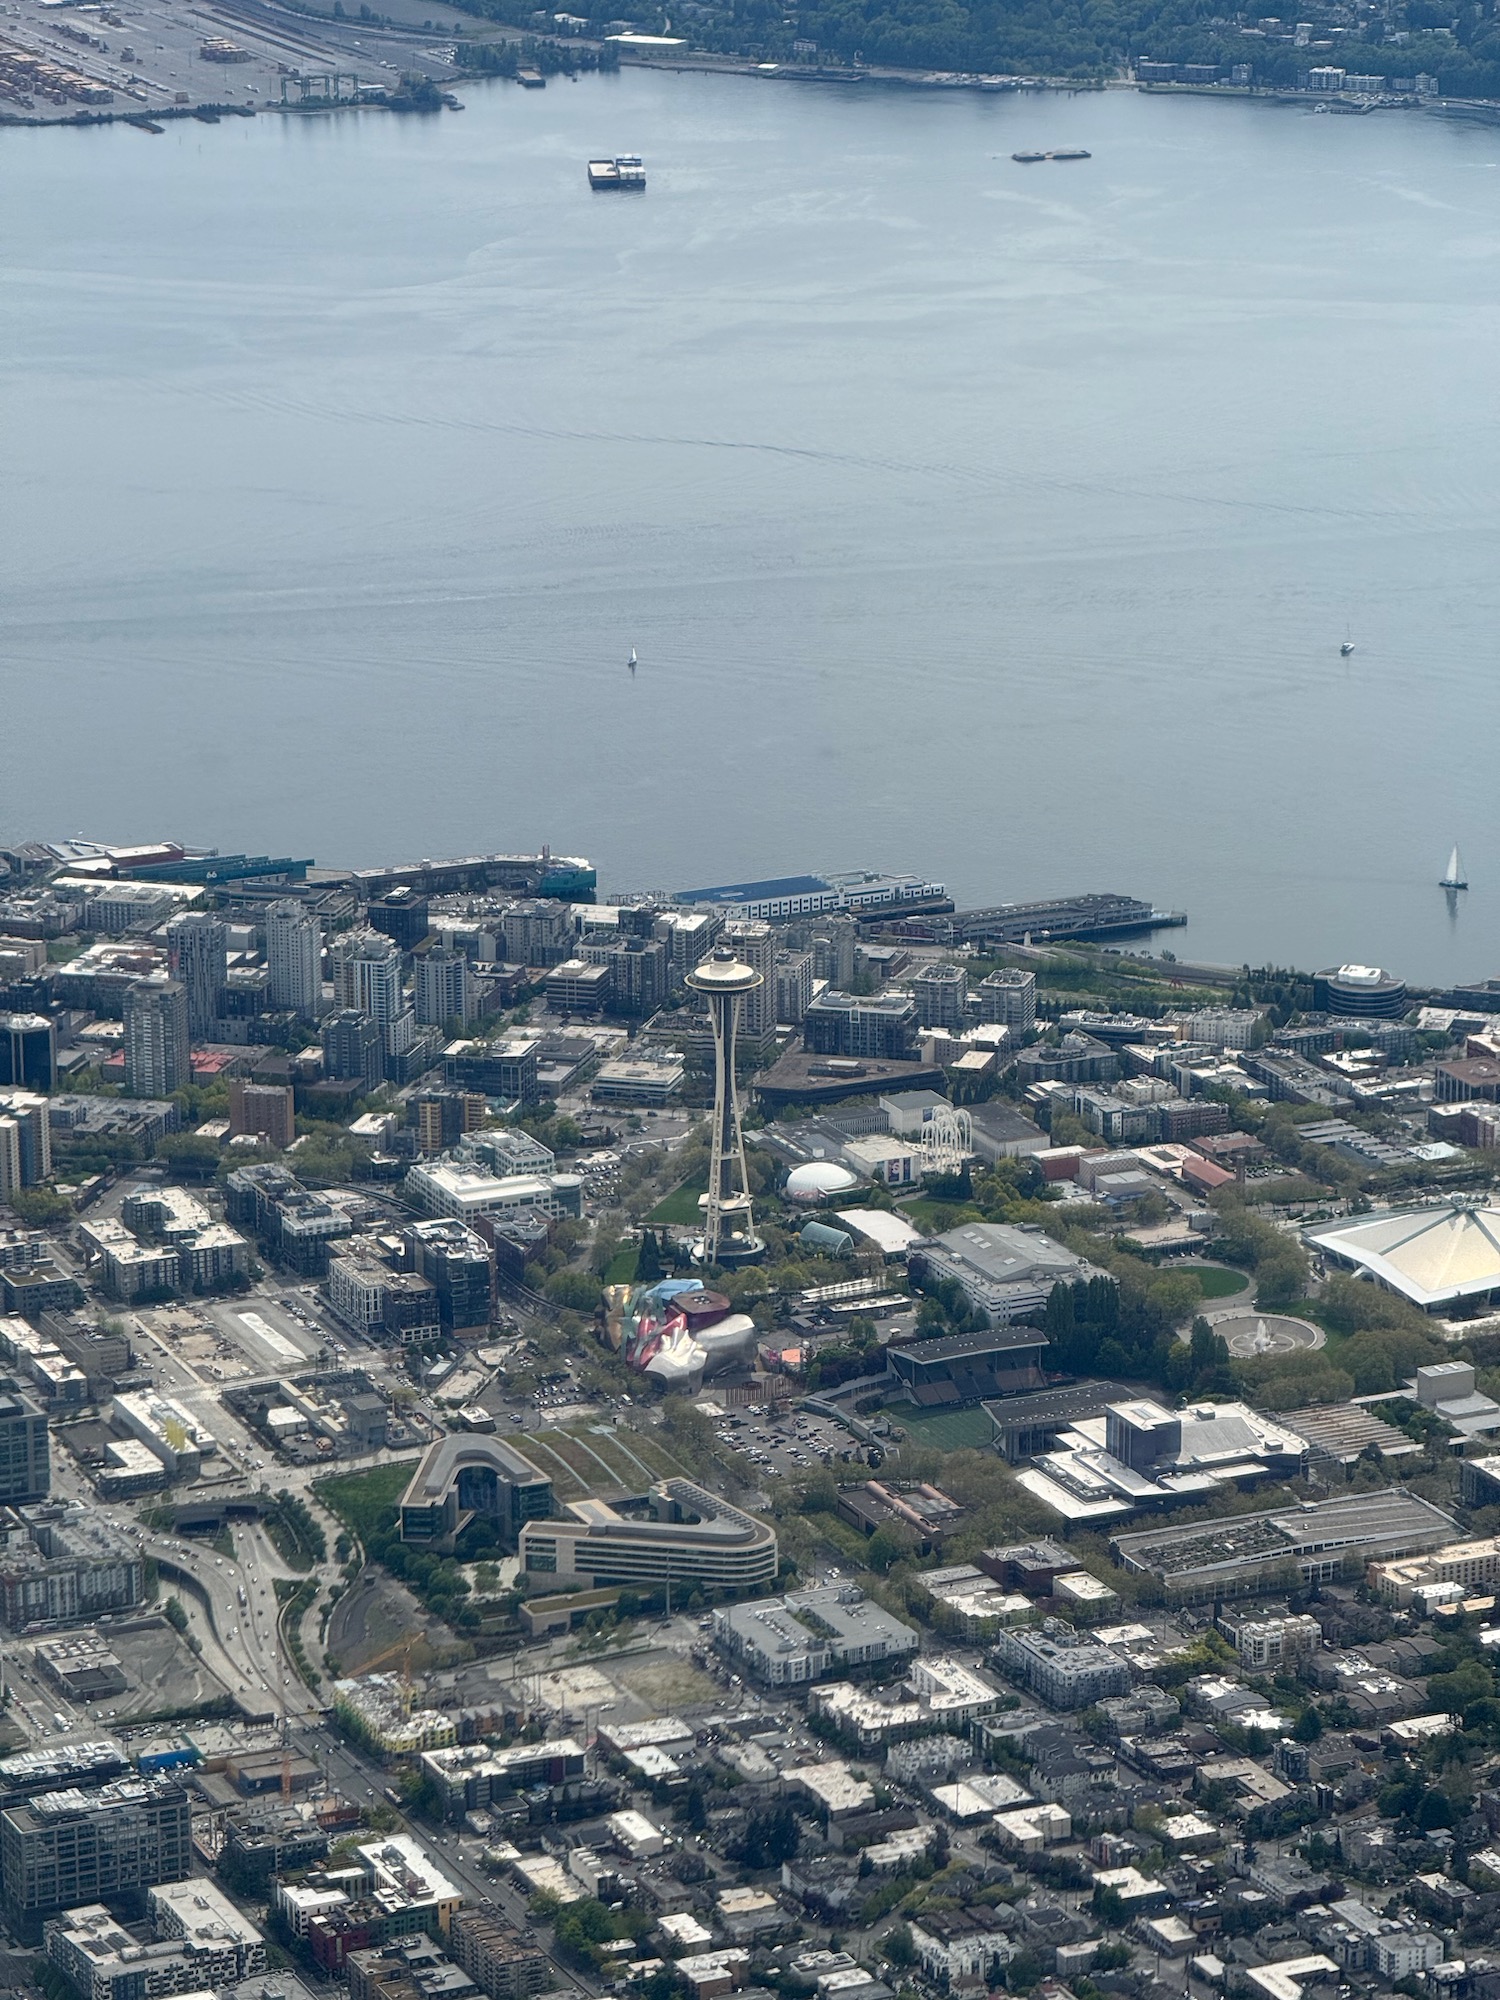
664 1684
377 1616
163 1670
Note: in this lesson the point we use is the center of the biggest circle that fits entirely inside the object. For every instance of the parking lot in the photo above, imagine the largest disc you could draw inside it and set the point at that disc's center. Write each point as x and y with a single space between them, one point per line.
796 1442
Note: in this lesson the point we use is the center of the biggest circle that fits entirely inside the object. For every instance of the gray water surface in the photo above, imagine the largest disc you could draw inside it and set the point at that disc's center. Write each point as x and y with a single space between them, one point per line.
997 522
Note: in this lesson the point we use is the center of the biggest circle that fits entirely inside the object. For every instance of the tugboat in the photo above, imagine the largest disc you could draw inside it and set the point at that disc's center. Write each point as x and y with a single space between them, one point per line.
1455 877
1029 159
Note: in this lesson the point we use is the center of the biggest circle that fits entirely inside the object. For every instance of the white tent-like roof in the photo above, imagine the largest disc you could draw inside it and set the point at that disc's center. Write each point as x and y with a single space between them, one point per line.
1435 1257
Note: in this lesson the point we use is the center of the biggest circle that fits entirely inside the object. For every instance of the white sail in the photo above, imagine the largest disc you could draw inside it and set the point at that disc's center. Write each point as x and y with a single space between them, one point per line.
1455 877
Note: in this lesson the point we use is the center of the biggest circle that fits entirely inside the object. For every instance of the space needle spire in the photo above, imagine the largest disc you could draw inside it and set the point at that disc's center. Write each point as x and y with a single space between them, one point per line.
728 1230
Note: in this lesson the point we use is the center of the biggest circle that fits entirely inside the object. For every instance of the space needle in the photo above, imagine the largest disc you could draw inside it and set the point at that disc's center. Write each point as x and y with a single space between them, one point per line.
728 1231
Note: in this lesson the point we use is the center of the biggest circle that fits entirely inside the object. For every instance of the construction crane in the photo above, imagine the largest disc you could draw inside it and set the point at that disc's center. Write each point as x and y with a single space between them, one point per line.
402 1650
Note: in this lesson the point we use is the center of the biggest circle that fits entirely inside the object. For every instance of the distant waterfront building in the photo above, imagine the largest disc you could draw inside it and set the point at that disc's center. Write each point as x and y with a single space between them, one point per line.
754 944
575 987
940 993
443 988
833 948
366 968
198 955
351 1049
857 891
538 932
794 986
639 969
294 957
400 916
1360 990
840 1024
28 1051
157 1038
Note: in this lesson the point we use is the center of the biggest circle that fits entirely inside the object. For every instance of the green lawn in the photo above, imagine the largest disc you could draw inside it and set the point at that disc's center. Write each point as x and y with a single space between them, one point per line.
589 1459
946 1430
680 1206
1217 1281
622 1269
362 1499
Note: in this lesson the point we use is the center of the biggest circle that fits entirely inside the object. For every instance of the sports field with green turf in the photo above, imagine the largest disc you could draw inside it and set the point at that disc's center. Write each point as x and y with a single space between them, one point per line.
946 1430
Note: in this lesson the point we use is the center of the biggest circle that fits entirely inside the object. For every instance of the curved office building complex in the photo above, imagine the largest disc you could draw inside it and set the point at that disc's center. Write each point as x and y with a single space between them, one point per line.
691 1537
465 1477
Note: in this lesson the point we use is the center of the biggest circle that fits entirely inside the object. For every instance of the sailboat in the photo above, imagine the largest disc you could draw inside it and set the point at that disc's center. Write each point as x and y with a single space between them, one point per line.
1346 649
632 662
1455 877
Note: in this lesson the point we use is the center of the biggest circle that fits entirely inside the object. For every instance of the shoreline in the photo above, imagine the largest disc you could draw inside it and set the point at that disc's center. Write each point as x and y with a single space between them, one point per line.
705 63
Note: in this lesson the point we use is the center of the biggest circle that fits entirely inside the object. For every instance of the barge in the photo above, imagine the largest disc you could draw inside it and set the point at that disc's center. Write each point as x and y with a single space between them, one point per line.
624 171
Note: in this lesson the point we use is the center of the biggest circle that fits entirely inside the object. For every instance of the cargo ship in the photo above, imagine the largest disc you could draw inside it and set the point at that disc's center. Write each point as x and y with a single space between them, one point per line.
624 171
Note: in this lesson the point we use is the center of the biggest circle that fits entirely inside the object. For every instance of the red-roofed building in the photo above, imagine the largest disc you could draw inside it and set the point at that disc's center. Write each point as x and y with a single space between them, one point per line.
1204 1176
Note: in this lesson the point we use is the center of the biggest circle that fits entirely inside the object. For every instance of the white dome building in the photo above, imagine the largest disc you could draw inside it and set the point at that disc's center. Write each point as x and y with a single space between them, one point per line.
818 1181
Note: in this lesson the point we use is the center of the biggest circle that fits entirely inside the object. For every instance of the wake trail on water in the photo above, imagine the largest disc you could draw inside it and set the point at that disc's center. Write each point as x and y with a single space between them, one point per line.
976 478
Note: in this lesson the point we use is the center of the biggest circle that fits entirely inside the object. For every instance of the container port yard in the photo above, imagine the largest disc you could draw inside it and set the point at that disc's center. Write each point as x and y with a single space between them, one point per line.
146 59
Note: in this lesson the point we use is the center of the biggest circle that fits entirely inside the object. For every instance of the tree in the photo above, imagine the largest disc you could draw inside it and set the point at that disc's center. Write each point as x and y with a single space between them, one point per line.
771 1837
1309 1726
1281 1277
648 1264
694 1811
39 1207
575 1290
889 1544
899 1948
1208 1349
